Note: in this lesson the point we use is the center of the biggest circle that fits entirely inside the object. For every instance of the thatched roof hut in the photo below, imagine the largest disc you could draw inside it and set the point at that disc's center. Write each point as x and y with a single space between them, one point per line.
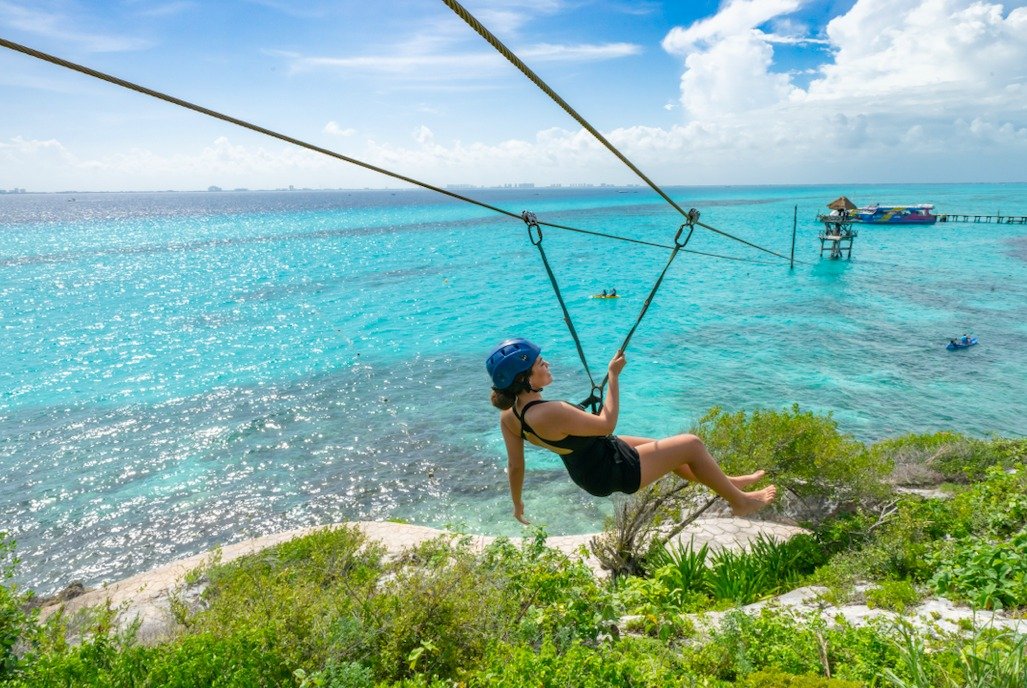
841 203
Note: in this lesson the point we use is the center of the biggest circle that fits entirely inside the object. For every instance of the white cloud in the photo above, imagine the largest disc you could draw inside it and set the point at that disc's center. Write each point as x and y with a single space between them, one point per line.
424 136
732 76
48 165
941 94
335 130
458 65
734 18
20 150
547 52
168 9
466 65
948 77
64 29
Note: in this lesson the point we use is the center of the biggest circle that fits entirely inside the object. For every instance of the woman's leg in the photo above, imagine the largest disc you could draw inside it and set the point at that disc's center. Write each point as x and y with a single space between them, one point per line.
739 481
663 456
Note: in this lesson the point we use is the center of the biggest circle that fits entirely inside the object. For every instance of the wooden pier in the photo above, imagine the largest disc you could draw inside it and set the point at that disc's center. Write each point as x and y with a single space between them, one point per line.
990 219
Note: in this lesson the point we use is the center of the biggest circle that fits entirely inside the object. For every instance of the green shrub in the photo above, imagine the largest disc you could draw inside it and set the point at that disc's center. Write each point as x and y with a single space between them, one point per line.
305 596
16 625
996 506
972 460
782 641
434 618
685 578
633 662
778 679
556 598
951 456
896 547
804 452
988 573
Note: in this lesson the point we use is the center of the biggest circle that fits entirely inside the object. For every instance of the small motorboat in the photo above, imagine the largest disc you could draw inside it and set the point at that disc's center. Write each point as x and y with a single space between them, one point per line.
961 343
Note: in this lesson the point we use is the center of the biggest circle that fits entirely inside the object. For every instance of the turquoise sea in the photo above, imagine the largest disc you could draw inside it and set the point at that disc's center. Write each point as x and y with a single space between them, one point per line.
187 369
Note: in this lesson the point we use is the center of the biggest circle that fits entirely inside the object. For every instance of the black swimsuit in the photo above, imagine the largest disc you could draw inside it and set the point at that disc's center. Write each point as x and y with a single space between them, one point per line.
600 465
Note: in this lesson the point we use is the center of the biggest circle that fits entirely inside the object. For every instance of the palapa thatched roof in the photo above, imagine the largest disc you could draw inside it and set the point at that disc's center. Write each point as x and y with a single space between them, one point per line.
841 203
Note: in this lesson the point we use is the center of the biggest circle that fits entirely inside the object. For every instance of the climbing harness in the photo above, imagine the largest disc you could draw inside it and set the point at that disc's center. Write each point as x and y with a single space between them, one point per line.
595 398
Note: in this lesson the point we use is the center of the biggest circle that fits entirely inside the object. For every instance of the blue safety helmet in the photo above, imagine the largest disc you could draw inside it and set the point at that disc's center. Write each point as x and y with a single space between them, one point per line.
510 358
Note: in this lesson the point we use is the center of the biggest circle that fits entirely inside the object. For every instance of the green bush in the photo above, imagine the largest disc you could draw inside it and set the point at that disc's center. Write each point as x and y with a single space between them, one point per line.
951 456
983 659
996 506
306 596
434 617
778 679
805 453
16 625
556 598
782 641
987 573
633 662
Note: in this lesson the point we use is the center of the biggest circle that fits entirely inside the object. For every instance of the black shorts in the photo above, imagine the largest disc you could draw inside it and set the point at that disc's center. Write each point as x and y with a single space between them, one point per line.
606 466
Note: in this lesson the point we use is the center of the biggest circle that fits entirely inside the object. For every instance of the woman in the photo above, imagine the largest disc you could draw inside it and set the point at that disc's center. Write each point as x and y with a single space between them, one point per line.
598 461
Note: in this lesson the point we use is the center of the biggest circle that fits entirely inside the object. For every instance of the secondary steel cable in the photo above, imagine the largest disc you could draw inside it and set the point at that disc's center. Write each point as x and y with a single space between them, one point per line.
656 244
492 40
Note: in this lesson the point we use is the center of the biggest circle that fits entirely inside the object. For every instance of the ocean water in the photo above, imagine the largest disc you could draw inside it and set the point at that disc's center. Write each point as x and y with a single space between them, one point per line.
186 369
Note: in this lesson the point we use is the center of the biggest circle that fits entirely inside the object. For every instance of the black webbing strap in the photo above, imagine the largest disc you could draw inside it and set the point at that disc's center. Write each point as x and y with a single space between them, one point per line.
595 397
596 401
535 235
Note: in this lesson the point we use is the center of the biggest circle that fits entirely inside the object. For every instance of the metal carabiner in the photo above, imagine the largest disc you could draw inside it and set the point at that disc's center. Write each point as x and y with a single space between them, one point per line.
532 221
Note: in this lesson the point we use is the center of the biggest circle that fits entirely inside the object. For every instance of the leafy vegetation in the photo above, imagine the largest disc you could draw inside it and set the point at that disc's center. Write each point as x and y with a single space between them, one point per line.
331 610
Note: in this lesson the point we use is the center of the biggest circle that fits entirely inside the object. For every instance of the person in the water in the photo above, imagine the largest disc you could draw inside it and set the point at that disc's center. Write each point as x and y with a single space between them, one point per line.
598 461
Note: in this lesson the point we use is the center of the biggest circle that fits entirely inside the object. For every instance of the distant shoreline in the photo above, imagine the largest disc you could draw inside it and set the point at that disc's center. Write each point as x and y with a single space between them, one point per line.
525 186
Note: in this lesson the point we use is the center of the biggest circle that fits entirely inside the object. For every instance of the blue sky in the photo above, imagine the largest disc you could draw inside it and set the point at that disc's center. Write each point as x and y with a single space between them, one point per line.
737 92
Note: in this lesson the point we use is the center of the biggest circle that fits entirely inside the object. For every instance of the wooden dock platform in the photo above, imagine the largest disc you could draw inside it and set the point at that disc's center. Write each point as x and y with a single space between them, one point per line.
992 219
837 236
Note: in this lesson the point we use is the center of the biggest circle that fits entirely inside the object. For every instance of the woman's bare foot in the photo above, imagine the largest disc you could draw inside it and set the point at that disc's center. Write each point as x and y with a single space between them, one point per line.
744 481
754 501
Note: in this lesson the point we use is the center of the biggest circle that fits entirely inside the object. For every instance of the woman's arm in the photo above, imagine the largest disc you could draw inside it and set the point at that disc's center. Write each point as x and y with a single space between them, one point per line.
515 467
560 420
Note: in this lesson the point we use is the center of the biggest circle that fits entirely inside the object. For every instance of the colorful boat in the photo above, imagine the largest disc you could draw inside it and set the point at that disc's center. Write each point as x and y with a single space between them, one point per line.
897 214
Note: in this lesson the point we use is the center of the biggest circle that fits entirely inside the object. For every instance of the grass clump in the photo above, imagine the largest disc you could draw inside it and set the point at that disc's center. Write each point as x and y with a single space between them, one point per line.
896 596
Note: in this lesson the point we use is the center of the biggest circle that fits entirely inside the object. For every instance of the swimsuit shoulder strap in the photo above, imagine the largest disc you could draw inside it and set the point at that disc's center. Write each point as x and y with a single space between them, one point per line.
520 416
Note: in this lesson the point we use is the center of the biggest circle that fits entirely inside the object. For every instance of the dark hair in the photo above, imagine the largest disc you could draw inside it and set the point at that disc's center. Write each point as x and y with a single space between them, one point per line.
503 399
